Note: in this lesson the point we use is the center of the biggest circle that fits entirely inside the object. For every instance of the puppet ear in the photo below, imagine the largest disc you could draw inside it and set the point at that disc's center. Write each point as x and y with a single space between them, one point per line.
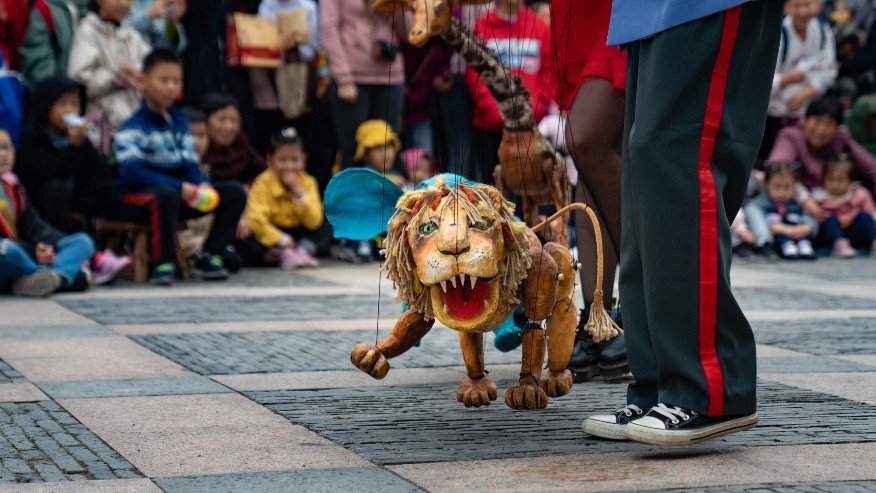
392 6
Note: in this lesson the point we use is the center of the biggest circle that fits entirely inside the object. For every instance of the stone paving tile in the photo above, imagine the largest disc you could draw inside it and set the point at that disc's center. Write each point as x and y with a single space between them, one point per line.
781 298
19 312
824 269
141 485
808 364
132 387
21 392
270 352
434 427
219 308
820 487
820 337
8 374
352 480
31 332
40 441
859 386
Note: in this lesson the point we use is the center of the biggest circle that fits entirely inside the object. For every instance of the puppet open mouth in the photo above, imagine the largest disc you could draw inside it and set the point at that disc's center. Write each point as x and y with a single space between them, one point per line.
464 300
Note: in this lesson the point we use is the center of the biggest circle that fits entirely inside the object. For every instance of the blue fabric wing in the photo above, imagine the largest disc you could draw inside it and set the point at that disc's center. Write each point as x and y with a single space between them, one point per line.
359 202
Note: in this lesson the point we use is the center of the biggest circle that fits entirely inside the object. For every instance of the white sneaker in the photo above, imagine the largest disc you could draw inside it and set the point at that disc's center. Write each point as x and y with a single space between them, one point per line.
806 250
672 425
40 283
612 426
790 250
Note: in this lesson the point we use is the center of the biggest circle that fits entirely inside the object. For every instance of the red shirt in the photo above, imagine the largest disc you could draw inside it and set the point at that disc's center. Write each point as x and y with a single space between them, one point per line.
14 16
524 47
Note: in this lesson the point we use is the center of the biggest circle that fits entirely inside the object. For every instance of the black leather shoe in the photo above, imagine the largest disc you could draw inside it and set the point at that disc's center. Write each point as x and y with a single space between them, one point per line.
584 363
613 357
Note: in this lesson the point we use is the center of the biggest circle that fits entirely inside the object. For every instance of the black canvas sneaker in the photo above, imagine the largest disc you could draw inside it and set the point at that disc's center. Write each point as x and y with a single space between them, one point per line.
672 425
612 426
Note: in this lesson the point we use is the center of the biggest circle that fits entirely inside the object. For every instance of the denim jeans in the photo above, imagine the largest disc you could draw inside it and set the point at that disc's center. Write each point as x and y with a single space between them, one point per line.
70 253
757 223
861 232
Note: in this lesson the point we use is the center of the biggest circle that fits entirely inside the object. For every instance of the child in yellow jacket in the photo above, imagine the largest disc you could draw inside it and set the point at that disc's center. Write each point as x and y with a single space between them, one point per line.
284 209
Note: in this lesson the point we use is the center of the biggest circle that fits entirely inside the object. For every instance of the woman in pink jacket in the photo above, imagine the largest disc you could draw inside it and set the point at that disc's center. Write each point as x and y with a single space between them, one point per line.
367 70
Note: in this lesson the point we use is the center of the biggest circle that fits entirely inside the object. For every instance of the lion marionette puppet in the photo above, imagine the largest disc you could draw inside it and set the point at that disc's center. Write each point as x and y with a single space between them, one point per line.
457 255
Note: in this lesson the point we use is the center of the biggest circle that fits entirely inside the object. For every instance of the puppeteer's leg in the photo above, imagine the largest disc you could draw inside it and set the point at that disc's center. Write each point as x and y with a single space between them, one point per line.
476 389
539 298
409 329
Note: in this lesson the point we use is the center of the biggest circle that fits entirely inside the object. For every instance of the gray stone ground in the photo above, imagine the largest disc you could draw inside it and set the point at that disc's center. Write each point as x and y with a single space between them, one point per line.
247 386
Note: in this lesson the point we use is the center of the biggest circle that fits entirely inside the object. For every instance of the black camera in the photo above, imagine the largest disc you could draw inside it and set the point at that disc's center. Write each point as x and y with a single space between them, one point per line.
384 50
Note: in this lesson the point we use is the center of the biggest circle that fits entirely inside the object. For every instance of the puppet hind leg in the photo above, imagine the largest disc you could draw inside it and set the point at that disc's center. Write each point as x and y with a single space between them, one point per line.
409 329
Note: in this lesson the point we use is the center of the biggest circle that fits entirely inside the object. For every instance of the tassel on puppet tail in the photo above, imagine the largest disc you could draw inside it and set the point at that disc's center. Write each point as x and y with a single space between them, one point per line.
600 324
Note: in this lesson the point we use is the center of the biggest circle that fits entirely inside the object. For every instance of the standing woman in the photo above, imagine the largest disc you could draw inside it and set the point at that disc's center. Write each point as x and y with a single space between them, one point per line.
367 71
591 82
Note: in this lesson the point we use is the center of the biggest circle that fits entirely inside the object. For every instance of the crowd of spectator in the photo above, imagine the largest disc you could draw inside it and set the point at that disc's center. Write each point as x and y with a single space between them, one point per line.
134 113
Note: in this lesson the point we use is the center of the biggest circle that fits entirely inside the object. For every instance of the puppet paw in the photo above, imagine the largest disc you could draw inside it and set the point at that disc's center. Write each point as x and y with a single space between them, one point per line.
556 384
370 360
476 392
526 396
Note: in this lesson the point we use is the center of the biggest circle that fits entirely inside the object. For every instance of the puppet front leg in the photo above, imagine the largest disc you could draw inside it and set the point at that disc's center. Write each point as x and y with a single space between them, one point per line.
409 329
476 389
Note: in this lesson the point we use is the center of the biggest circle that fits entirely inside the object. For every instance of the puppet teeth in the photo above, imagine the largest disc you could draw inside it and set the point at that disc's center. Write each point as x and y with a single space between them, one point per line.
462 280
445 308
486 305
444 286
453 282
474 280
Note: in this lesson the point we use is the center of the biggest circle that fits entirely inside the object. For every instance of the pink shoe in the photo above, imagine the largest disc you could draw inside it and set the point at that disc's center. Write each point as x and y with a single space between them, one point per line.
842 248
307 259
107 265
291 259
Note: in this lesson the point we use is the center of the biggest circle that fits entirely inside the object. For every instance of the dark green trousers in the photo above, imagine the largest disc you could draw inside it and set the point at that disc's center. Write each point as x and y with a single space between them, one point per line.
696 104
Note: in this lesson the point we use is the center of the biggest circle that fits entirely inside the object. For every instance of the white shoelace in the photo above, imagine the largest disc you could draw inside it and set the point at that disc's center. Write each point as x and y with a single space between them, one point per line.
629 409
671 413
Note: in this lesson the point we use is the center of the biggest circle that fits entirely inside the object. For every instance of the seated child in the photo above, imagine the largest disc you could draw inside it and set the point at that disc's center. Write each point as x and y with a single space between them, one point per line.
792 229
193 237
62 170
160 176
284 208
106 57
35 258
419 165
850 211
377 148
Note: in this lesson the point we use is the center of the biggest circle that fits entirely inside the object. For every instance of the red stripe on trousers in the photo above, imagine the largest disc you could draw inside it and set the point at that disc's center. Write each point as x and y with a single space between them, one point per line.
708 285
151 201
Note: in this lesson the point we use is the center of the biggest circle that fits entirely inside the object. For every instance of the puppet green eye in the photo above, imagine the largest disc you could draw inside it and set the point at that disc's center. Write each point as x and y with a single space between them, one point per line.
483 224
428 228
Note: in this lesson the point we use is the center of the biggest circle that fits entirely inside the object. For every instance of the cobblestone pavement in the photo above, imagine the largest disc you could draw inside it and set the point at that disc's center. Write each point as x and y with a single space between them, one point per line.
247 386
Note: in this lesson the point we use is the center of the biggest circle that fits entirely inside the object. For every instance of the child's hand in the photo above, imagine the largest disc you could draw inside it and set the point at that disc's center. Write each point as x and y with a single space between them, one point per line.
292 181
799 232
130 76
187 192
157 9
442 84
243 229
802 97
289 41
812 208
77 135
45 254
746 237
348 93
793 77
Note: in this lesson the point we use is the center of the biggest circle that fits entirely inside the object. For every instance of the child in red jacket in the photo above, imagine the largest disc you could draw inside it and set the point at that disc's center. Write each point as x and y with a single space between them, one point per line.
523 43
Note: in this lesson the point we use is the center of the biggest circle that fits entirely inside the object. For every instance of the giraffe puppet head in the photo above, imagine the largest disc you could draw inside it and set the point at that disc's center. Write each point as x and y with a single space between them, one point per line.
431 17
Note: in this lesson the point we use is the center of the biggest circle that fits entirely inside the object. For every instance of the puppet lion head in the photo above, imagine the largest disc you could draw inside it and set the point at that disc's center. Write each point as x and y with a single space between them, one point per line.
456 254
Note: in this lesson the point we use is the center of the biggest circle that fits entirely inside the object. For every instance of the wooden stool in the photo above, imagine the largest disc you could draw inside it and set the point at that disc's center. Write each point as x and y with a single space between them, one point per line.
140 256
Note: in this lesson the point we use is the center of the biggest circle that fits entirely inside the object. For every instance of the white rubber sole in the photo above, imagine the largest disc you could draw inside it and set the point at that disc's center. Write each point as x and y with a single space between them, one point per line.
42 283
670 438
601 429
